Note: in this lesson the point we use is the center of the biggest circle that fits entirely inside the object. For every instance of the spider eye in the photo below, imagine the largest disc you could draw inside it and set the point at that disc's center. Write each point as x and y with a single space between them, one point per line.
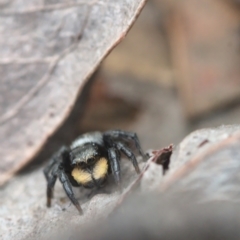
91 160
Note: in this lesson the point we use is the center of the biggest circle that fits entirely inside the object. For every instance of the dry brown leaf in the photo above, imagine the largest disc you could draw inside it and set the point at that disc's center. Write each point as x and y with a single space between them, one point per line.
48 51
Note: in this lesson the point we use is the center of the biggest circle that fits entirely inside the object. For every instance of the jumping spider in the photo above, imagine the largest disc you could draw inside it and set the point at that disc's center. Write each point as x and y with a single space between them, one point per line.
88 161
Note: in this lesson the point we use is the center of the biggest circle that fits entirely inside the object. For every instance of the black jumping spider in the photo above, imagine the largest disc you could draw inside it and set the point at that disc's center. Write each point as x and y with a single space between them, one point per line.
88 161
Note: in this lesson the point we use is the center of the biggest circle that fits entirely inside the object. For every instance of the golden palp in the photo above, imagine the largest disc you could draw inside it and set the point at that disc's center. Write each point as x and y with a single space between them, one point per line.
81 176
100 169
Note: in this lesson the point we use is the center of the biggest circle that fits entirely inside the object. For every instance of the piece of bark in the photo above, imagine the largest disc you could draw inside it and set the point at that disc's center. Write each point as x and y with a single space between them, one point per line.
199 195
26 216
48 51
151 216
200 178
211 170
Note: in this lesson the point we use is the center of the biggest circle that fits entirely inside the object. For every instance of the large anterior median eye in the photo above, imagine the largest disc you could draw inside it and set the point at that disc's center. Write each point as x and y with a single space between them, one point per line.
91 161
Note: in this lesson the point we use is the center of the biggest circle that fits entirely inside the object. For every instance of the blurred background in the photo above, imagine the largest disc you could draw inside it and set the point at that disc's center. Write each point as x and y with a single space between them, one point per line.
177 70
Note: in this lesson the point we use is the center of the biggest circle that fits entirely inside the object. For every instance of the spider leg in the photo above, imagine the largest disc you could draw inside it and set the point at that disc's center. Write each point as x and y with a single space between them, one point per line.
68 189
114 159
54 159
49 167
50 171
51 180
121 147
128 135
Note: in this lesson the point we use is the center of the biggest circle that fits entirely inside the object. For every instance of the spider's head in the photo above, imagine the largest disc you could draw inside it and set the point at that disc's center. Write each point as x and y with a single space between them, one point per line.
85 155
89 164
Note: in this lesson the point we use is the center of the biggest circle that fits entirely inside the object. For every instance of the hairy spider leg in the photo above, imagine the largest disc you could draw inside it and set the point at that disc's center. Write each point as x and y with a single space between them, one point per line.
54 160
128 135
50 184
68 189
50 165
50 172
114 159
124 149
54 170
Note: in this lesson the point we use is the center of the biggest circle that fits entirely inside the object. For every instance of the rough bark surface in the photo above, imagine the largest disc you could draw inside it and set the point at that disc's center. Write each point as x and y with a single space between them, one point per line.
48 51
24 215
207 161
